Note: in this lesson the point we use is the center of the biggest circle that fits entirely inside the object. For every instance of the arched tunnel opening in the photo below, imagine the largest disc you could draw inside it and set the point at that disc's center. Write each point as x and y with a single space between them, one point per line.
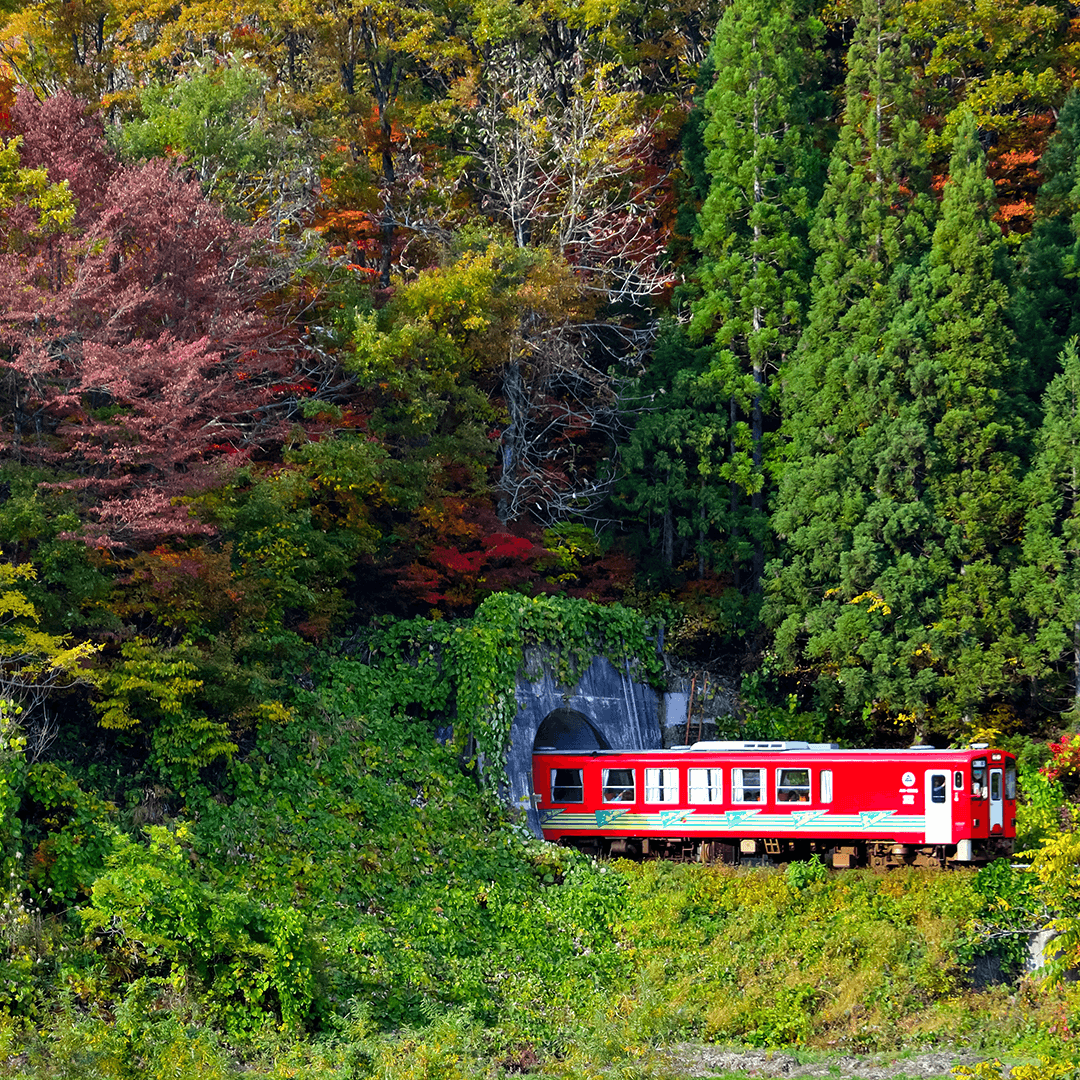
568 729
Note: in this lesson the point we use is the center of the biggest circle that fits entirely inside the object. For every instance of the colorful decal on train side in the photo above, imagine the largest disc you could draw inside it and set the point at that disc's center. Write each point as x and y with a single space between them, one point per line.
734 821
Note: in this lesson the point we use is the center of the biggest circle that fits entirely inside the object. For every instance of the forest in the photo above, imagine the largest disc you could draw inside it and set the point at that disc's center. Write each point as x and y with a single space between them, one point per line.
348 348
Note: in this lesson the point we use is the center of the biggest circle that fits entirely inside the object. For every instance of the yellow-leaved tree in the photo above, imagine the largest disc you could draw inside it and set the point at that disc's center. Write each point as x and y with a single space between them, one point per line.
34 664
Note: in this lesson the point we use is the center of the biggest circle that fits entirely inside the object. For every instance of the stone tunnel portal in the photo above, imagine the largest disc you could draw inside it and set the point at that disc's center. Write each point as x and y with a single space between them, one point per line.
568 729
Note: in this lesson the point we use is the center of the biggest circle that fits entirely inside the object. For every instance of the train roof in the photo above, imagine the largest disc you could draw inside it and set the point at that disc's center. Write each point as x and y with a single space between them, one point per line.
735 746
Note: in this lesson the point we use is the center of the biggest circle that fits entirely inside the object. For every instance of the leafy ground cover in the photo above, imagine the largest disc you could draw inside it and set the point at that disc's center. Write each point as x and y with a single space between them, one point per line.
348 900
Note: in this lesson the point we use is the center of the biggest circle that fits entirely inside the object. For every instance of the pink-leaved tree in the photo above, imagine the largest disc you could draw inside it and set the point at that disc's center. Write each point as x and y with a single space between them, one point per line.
135 358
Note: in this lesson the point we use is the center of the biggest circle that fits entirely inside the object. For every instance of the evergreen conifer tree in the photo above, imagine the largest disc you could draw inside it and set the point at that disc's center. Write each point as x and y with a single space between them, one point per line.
971 377
668 461
1046 302
826 596
1047 583
900 503
762 170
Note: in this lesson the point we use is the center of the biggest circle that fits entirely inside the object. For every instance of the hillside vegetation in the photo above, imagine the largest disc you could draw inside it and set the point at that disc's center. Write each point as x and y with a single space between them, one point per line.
347 902
349 349
347 897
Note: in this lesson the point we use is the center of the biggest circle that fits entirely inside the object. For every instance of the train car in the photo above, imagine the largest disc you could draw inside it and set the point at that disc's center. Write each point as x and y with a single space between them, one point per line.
781 800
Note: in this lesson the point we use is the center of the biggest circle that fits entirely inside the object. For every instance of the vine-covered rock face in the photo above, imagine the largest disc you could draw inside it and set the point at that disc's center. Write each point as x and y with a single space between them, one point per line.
495 677
562 639
609 709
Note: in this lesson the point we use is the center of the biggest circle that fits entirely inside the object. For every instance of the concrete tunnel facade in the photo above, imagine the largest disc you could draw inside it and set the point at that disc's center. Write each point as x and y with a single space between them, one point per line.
605 709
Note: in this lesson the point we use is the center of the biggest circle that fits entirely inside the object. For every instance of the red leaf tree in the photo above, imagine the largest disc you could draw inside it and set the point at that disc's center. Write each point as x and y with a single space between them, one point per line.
136 358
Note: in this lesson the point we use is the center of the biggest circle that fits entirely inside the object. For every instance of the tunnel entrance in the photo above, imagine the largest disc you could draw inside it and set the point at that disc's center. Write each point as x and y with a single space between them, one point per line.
568 729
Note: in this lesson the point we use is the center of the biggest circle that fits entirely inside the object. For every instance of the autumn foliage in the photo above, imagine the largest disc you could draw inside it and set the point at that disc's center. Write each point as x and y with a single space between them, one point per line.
136 360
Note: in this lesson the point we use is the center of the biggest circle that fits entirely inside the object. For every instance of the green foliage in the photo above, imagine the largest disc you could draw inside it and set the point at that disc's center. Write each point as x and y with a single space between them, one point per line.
33 662
1056 866
787 1020
1041 809
345 868
803 873
151 913
1044 294
355 828
905 515
843 481
54 203
763 942
474 663
70 588
433 899
157 685
74 830
294 533
430 356
12 746
1007 910
27 958
215 118
1045 1069
772 713
1047 579
752 233
155 1033
670 461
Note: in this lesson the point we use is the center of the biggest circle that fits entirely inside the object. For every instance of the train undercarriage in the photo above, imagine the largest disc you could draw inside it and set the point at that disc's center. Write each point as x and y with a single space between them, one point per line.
750 851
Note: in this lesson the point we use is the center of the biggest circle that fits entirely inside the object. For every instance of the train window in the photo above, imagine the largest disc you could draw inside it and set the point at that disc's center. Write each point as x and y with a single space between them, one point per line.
706 785
1010 781
746 785
978 778
958 780
566 786
618 785
661 785
792 785
995 785
826 785
937 788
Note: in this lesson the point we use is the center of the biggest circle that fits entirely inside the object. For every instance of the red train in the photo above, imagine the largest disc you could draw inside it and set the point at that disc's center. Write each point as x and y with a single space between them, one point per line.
784 800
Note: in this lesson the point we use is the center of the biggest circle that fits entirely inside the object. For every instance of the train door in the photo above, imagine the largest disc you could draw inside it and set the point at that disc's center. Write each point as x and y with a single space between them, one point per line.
997 807
938 807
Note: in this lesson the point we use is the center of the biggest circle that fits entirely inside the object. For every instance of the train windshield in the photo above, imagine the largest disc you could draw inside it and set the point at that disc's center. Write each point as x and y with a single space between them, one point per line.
1010 781
978 778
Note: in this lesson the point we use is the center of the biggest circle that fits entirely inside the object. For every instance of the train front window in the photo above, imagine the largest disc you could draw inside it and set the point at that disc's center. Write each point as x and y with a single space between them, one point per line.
706 785
566 786
937 788
978 778
661 785
1010 781
792 785
995 785
618 785
746 785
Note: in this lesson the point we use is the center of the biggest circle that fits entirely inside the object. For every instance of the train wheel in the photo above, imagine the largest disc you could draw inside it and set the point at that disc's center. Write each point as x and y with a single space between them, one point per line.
628 848
879 857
